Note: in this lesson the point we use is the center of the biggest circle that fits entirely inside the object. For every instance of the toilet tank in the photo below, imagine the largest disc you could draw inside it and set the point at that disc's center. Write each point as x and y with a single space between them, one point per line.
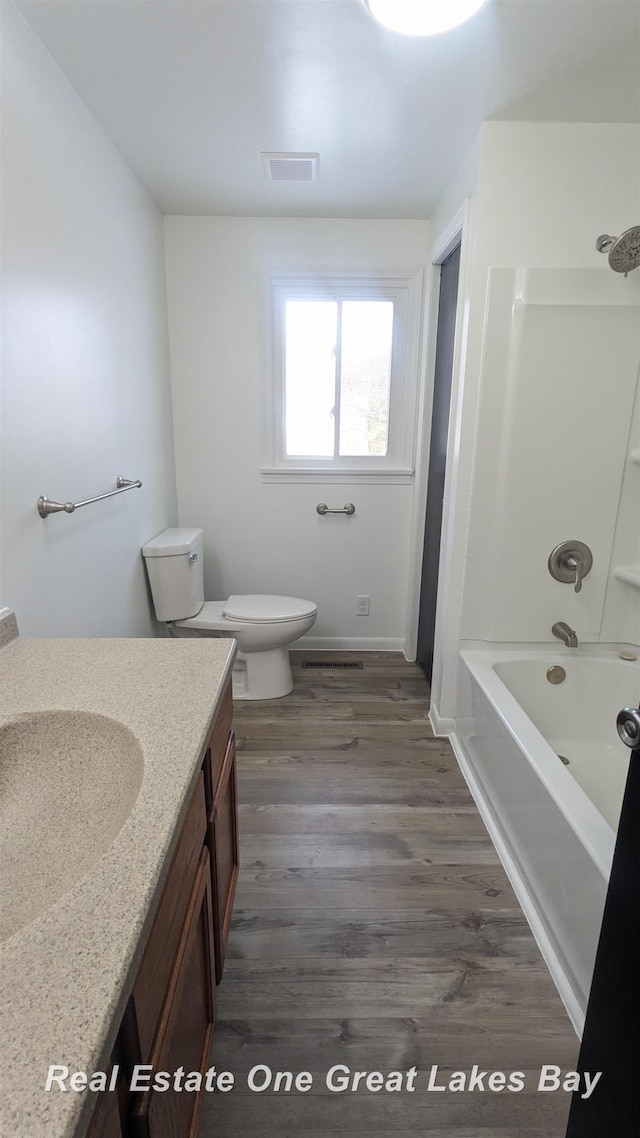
175 569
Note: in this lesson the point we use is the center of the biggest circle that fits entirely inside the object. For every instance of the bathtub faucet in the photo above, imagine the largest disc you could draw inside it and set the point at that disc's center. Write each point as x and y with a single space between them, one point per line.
563 632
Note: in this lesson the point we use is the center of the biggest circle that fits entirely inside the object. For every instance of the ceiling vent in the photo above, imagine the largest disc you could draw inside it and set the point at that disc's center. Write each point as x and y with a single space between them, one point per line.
290 167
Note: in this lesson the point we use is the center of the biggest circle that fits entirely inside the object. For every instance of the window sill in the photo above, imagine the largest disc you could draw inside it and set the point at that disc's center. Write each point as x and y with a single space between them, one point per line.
391 476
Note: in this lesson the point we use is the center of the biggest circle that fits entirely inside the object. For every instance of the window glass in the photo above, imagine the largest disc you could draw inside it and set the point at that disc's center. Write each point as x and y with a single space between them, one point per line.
340 345
365 376
310 377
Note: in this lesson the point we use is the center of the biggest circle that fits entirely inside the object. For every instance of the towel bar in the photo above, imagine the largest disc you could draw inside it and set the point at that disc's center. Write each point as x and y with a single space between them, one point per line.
46 506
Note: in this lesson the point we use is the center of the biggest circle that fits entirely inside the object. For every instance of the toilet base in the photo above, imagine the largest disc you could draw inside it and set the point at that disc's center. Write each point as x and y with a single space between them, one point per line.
262 675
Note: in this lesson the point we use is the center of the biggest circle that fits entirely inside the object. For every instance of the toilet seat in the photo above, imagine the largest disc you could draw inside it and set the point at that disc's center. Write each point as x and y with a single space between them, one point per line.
266 609
213 615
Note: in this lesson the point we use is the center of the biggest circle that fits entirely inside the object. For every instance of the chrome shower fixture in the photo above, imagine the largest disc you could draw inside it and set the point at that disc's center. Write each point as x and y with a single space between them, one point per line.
624 251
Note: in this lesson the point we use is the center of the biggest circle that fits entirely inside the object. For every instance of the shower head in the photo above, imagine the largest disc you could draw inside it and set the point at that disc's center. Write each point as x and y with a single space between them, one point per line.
624 251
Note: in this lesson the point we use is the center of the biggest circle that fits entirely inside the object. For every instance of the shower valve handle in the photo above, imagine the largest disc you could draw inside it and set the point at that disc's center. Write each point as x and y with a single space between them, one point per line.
570 562
576 564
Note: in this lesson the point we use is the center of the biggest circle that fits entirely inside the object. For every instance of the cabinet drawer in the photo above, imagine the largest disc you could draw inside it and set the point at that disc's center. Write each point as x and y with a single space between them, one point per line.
186 1023
222 838
158 960
218 743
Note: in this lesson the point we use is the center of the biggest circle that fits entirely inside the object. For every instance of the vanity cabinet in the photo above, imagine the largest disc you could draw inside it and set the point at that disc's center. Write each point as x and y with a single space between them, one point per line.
156 974
183 1037
222 839
171 1013
222 825
105 1122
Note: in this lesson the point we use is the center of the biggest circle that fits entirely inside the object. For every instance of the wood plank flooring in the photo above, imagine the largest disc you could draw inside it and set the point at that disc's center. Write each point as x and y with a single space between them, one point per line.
374 926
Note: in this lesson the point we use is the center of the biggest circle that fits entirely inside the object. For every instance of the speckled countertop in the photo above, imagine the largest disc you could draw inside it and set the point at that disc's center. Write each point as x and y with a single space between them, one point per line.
66 975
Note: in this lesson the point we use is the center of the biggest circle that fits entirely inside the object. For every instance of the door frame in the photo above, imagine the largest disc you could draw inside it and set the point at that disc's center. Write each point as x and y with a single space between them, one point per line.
458 231
440 414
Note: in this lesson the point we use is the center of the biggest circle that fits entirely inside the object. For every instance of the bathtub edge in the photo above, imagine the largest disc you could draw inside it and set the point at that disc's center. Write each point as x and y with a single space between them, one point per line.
550 956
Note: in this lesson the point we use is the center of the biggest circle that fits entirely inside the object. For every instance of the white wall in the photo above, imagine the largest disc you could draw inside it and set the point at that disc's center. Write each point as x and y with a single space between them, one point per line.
545 192
263 537
463 185
85 387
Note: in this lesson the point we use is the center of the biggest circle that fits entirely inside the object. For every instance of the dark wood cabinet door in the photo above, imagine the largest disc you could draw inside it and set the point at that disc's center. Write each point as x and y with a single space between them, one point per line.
218 743
105 1120
222 836
158 962
186 1023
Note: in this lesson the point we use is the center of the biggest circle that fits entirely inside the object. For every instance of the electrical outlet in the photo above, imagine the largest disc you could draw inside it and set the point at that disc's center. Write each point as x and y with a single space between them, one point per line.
362 606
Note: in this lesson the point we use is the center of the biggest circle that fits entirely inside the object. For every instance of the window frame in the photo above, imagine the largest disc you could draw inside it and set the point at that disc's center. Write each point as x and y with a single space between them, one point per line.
404 288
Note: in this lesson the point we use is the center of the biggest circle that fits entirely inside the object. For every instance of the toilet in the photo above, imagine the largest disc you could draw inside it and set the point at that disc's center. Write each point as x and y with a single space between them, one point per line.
264 625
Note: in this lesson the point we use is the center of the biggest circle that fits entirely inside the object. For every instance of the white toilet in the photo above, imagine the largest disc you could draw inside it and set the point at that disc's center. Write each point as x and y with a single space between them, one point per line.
263 625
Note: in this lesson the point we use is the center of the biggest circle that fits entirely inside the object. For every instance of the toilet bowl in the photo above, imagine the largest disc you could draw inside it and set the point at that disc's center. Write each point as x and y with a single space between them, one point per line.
264 625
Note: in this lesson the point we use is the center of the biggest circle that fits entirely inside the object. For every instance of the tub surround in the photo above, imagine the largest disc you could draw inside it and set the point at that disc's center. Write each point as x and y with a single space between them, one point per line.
68 973
621 615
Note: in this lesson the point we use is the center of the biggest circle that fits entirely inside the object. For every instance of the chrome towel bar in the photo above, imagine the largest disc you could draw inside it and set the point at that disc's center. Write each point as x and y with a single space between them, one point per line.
46 506
323 509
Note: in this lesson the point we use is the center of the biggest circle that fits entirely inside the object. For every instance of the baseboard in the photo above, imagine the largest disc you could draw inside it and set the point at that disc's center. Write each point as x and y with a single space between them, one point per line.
349 644
551 958
441 727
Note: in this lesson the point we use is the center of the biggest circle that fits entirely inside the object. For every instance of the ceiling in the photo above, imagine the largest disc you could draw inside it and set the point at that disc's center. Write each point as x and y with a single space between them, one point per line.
191 91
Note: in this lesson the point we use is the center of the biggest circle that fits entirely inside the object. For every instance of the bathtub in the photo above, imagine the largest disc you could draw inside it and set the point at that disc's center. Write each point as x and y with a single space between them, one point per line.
553 822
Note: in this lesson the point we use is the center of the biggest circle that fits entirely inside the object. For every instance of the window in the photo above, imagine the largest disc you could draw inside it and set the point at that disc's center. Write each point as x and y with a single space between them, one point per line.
340 375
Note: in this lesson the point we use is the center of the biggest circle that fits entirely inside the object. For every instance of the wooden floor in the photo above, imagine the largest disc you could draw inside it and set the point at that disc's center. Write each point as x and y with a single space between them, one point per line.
374 926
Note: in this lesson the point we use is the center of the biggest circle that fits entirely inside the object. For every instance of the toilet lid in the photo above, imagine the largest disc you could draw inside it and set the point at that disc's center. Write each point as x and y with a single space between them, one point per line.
267 609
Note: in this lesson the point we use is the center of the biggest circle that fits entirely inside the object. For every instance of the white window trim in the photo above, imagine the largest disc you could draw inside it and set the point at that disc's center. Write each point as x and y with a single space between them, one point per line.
405 288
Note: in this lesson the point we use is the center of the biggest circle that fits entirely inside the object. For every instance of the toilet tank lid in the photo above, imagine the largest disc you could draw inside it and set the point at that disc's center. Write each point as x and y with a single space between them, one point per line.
172 542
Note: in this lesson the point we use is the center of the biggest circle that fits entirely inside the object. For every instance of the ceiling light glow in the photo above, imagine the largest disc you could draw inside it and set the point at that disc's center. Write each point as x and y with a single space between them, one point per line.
422 17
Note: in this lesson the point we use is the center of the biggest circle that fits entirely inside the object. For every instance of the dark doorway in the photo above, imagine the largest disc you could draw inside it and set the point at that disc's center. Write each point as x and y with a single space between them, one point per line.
449 273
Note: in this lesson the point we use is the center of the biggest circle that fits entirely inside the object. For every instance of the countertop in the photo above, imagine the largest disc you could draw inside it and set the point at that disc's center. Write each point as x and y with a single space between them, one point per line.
66 976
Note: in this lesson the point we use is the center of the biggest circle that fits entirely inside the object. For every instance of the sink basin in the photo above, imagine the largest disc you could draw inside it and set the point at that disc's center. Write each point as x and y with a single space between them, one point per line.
68 783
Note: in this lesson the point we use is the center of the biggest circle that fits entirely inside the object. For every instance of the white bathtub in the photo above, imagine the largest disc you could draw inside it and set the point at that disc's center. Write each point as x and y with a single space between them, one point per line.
554 825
